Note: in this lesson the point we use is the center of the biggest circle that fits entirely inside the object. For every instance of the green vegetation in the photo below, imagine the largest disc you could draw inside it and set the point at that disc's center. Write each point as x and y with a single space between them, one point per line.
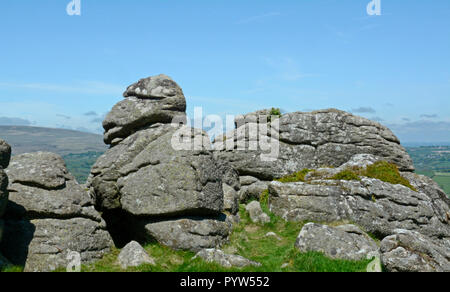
264 198
296 177
346 175
387 172
433 162
381 170
248 239
443 181
275 112
13 269
79 165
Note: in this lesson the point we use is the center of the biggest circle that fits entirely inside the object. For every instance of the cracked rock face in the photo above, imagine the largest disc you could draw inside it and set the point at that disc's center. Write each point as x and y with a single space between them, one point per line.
409 251
313 140
49 215
346 242
152 100
192 234
377 206
145 176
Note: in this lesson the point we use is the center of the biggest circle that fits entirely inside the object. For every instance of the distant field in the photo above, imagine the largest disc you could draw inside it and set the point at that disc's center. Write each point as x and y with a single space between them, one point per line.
60 141
433 162
79 165
444 182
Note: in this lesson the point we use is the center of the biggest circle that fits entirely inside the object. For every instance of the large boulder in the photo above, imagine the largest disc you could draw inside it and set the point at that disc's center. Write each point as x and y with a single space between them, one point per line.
159 173
134 255
152 100
346 242
409 251
308 140
49 215
379 207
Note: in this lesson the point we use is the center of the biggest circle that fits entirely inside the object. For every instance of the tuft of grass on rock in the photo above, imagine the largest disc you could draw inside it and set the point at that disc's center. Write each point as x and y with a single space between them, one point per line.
296 177
387 172
381 170
346 175
275 112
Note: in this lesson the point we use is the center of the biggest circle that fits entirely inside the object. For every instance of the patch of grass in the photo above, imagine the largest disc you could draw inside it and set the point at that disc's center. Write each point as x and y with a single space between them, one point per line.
248 240
316 262
11 269
296 177
346 175
264 198
387 172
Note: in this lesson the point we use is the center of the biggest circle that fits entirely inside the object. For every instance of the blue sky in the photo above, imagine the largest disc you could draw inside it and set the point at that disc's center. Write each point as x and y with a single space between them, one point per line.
230 57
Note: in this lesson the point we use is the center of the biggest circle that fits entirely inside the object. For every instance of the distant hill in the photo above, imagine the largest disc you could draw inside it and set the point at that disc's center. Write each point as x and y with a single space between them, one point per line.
24 139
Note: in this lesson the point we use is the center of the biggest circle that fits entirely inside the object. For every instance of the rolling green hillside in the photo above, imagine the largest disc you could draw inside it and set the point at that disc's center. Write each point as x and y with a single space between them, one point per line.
24 139
433 162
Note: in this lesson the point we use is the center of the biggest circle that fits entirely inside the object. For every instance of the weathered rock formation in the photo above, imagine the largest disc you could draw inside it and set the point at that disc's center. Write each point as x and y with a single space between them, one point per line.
152 100
326 138
5 155
346 242
379 207
49 215
154 179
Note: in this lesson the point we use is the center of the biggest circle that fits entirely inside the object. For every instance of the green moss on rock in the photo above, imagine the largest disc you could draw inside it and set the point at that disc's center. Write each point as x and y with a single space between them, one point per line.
346 175
296 177
387 172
